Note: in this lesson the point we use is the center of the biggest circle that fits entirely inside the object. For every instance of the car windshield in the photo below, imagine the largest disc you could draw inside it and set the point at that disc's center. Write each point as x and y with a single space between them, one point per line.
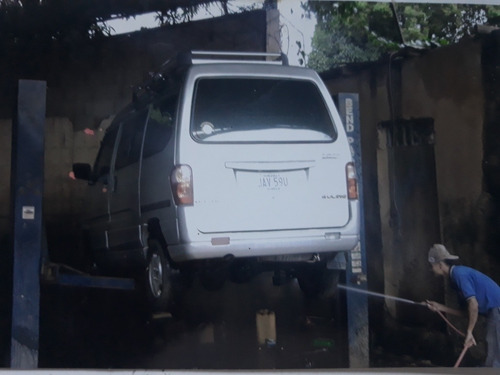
260 110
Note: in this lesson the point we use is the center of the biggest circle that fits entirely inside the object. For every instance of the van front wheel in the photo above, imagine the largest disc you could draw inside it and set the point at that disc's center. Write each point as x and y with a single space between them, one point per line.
158 277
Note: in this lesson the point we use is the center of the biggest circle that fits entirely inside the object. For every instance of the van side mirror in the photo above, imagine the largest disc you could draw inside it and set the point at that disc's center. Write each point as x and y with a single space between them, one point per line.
82 171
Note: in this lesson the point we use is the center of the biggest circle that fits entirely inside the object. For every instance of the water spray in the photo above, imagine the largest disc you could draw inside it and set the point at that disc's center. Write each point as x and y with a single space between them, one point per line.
375 294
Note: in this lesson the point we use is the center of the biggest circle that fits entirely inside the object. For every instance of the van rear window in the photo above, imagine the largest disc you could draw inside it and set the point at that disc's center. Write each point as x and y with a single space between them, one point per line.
260 110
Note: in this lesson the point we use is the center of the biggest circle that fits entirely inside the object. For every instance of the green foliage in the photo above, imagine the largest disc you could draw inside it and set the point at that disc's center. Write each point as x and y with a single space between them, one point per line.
351 31
493 15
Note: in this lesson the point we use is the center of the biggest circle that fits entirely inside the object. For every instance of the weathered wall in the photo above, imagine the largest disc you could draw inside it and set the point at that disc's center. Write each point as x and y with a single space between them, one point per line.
491 133
446 85
86 87
94 80
453 95
124 62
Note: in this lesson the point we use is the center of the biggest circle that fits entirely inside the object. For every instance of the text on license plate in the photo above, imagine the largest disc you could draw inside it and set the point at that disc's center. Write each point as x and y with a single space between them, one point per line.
273 181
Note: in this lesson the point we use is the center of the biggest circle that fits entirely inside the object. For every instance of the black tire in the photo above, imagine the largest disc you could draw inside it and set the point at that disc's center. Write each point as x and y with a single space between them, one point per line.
318 281
157 278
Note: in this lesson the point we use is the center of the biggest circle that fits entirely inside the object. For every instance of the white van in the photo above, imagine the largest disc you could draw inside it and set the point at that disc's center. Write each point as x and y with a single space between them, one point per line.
222 167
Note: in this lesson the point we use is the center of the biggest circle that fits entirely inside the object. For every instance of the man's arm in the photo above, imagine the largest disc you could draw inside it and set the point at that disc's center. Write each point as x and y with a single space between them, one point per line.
472 307
435 306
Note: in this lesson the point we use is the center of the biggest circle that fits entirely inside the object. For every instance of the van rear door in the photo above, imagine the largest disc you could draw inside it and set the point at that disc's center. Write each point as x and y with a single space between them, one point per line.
266 156
288 190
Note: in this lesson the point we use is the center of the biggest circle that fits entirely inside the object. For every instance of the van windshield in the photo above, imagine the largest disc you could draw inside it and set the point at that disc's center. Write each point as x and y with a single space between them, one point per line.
260 110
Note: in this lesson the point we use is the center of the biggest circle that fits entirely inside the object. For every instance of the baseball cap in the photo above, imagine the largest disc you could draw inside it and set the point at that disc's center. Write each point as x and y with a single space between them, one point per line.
438 253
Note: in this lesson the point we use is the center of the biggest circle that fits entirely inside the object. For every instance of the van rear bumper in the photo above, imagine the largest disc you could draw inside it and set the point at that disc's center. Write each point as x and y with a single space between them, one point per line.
220 246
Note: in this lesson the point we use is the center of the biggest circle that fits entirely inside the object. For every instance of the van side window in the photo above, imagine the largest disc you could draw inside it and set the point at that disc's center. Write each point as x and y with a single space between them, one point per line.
129 149
160 126
103 161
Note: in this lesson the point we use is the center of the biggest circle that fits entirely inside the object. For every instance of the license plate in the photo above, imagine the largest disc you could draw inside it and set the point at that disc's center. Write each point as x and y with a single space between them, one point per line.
270 181
273 181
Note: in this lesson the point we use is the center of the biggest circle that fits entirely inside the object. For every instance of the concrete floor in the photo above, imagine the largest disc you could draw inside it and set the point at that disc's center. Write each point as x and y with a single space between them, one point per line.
105 329
83 328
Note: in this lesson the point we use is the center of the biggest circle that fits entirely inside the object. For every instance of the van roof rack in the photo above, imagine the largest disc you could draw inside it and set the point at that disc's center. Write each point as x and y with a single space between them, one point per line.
159 80
215 57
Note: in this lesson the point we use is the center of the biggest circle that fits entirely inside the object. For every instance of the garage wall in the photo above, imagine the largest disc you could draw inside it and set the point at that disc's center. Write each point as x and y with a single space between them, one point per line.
453 95
447 87
86 87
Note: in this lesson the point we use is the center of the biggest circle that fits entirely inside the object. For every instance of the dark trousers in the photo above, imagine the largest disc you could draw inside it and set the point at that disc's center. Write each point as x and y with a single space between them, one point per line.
493 338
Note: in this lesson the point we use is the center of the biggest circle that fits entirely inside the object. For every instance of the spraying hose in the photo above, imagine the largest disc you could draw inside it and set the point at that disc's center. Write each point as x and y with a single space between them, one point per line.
466 346
404 300
375 294
457 364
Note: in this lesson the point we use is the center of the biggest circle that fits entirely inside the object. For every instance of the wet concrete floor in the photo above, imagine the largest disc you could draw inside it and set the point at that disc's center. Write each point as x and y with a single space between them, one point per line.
90 328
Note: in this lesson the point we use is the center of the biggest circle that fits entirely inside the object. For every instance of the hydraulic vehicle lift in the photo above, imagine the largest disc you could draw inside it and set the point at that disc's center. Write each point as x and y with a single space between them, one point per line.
27 192
31 264
356 270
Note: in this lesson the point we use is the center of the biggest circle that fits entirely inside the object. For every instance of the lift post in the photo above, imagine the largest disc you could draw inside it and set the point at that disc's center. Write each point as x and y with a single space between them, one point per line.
357 304
31 264
27 193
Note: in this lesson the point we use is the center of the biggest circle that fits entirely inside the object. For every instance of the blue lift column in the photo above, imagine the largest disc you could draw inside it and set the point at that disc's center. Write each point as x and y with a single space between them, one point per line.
26 196
357 303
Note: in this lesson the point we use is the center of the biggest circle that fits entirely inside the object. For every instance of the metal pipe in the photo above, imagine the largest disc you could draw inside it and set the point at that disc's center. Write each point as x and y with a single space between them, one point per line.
375 294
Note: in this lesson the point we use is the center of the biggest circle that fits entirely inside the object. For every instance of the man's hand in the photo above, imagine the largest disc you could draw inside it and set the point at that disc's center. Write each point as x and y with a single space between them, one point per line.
469 340
436 307
433 306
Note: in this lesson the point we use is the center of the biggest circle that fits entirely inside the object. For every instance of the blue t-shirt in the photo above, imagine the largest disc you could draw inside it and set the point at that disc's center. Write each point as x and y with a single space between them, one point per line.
472 283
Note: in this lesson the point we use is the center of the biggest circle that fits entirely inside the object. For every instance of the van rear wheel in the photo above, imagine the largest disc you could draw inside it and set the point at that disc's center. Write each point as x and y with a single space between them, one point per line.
158 283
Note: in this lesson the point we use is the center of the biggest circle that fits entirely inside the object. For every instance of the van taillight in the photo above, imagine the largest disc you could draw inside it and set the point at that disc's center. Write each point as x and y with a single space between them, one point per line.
352 183
182 185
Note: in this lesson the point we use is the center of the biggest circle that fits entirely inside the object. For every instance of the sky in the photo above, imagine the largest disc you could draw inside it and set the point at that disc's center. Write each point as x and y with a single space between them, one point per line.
295 25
